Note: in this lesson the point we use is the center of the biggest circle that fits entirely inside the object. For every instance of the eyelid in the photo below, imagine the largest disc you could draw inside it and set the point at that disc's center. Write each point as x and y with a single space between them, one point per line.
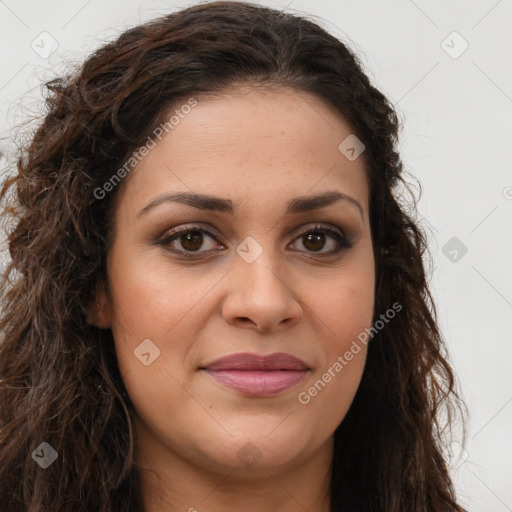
185 228
317 226
343 241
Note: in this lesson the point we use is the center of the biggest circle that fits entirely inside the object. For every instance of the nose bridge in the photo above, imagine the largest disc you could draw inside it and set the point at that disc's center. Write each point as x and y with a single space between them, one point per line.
260 292
258 265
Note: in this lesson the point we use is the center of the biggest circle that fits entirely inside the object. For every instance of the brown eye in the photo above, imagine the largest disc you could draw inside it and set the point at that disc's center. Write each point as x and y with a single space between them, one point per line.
188 240
315 239
191 241
314 242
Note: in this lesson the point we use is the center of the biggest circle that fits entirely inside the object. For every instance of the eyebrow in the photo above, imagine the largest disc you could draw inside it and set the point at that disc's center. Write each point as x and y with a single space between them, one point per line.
212 203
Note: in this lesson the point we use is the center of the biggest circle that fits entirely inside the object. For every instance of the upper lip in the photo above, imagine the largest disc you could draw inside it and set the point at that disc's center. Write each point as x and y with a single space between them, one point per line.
249 361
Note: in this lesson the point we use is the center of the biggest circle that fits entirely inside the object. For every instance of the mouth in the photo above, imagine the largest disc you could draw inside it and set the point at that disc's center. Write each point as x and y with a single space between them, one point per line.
258 375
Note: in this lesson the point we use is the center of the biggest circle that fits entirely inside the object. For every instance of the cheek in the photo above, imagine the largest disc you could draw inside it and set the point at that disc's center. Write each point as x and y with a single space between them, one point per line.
344 310
149 306
344 301
343 321
151 297
344 307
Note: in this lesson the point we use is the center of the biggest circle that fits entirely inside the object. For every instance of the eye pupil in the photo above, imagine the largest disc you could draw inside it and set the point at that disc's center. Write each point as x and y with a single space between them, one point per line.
315 239
195 237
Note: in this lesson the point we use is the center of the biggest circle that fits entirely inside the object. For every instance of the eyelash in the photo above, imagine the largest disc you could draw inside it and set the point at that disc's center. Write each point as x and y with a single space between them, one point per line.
341 240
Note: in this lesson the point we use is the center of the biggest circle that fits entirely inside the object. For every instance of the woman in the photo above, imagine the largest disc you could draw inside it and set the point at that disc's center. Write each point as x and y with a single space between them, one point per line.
215 300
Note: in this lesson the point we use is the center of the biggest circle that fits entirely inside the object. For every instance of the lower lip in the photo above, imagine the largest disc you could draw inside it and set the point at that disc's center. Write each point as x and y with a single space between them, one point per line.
258 383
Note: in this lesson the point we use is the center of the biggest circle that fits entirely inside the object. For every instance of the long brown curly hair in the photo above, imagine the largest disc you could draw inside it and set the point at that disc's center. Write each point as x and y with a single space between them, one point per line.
59 379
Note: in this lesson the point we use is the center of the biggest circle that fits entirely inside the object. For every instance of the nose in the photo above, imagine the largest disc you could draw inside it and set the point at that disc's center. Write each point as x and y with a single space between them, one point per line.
260 296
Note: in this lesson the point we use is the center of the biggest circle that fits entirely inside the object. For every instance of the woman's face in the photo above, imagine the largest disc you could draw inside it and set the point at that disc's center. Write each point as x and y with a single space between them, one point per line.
243 280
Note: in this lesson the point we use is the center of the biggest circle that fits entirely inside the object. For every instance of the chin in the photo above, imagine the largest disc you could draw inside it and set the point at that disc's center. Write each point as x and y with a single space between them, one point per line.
255 449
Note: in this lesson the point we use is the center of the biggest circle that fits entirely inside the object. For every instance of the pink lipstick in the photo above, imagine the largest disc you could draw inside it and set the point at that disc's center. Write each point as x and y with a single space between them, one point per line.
258 375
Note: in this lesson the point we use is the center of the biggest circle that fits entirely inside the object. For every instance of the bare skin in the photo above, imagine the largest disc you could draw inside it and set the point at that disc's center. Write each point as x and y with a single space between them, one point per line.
260 150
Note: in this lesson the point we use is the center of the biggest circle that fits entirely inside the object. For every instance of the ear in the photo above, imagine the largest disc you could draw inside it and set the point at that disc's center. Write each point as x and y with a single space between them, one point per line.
98 313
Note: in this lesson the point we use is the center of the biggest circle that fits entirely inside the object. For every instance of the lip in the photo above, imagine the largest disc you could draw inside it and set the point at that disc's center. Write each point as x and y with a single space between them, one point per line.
258 375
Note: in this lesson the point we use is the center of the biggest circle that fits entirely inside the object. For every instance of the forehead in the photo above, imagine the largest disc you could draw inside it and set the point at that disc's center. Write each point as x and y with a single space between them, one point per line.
252 143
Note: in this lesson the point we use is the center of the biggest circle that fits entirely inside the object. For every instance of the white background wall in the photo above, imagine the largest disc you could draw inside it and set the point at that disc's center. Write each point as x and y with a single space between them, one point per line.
457 126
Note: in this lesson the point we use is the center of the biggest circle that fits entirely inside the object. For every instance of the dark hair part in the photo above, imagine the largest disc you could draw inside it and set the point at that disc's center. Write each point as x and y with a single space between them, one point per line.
59 380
